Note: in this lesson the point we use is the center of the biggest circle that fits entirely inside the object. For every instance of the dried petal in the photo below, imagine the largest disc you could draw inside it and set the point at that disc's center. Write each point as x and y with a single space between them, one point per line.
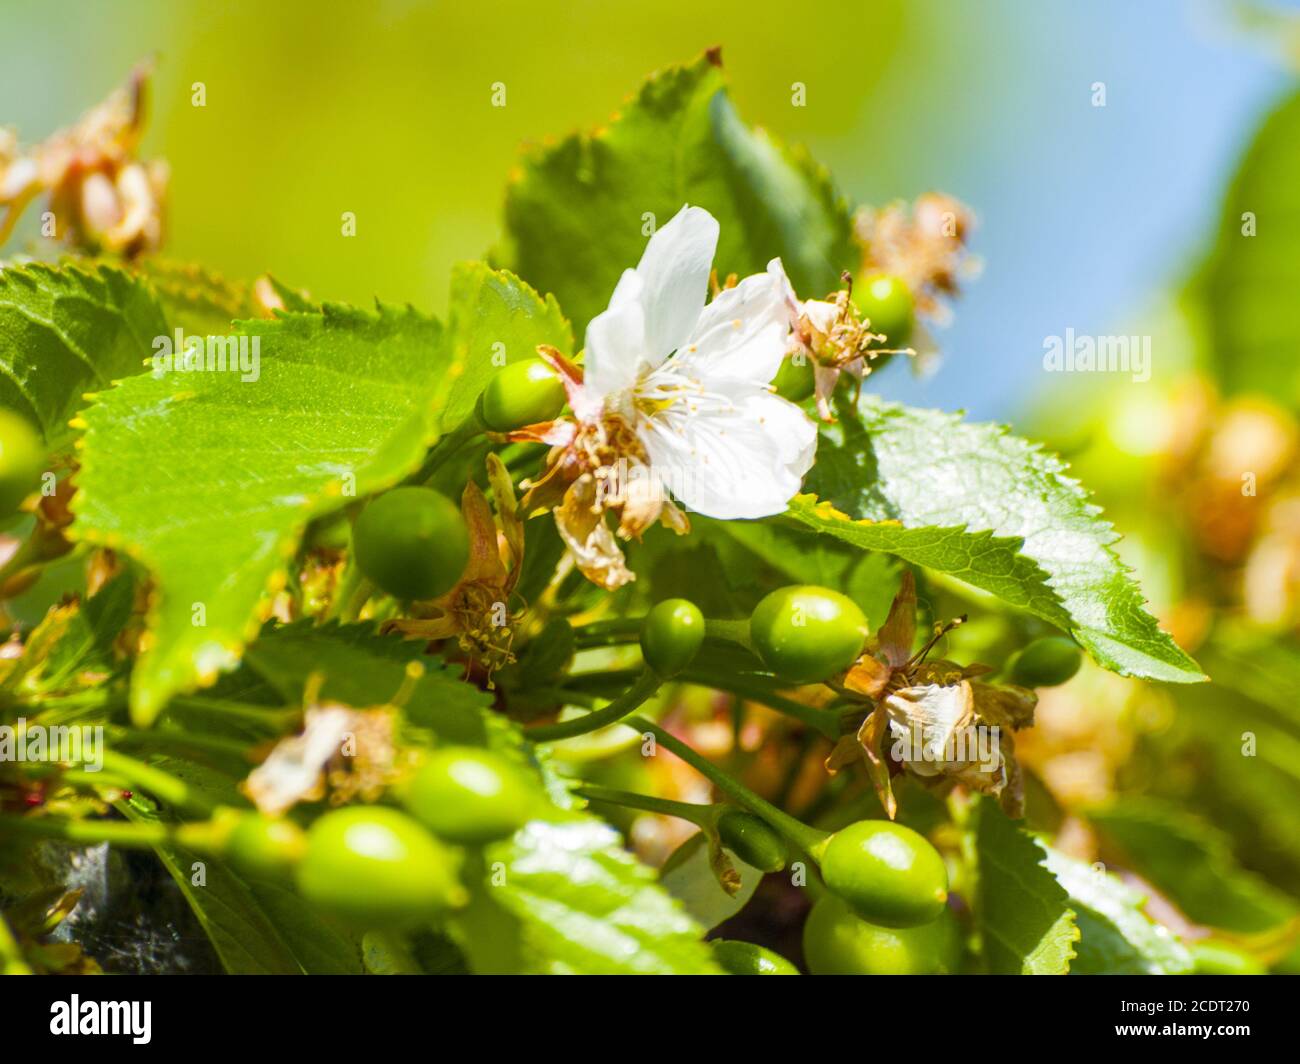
582 527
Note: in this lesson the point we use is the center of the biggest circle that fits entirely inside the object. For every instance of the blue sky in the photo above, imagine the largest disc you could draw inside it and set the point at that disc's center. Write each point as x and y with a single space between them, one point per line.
1087 214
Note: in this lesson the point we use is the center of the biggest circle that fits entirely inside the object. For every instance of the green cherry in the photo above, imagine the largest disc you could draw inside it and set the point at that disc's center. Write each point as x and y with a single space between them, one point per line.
671 634
1046 662
887 873
468 795
522 393
795 381
375 867
263 847
412 542
745 958
807 634
886 302
837 942
750 839
22 460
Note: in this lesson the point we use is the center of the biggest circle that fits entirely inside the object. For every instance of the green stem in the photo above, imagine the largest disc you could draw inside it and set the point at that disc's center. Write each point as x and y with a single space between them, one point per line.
182 740
699 815
116 832
826 723
613 632
135 834
643 688
449 446
277 719
628 629
808 839
570 698
729 632
95 781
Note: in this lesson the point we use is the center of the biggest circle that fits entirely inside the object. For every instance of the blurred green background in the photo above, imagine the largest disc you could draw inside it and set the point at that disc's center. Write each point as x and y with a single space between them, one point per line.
384 109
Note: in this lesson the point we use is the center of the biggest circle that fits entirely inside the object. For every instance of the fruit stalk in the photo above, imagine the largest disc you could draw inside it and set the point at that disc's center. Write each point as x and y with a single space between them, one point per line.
808 839
643 688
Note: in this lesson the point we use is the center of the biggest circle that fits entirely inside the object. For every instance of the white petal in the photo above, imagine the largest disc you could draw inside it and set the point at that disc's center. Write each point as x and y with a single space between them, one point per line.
616 342
674 272
776 269
738 453
742 334
821 315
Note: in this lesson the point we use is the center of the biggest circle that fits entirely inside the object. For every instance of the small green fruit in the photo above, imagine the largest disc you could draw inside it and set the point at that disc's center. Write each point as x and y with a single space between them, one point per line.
671 634
263 847
807 634
522 393
887 873
22 461
795 381
837 942
468 795
745 958
750 839
886 302
412 542
1046 662
374 867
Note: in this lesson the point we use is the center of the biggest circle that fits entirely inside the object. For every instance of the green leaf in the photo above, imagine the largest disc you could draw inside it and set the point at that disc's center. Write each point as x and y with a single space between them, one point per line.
1191 863
1250 282
1023 913
361 668
1116 936
318 946
68 331
565 897
1242 733
84 653
195 299
208 479
994 510
494 316
242 934
763 554
577 213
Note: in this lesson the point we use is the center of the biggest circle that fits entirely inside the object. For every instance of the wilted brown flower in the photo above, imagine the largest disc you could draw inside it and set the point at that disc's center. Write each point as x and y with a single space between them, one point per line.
597 466
835 338
476 611
101 196
944 723
925 245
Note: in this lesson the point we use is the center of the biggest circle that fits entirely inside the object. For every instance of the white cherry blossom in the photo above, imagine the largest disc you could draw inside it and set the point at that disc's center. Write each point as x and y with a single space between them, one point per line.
693 380
674 399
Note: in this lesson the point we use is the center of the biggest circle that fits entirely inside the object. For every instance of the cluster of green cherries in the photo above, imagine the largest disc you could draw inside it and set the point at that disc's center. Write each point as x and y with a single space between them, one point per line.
884 909
380 867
